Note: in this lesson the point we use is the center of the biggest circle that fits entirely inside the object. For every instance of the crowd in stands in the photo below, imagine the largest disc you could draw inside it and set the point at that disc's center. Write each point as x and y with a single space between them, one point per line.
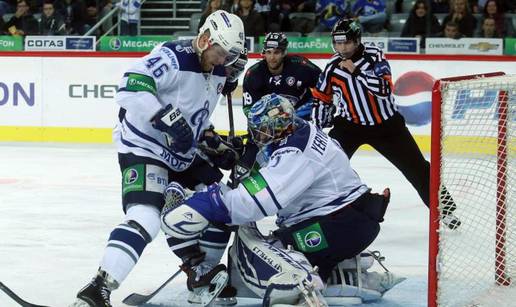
422 18
50 17
457 18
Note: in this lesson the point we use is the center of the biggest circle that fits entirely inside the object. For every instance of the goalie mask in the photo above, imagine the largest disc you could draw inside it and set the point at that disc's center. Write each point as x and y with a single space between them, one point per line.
271 119
227 31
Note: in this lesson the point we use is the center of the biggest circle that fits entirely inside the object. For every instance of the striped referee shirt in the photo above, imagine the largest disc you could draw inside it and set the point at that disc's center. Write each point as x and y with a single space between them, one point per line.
361 97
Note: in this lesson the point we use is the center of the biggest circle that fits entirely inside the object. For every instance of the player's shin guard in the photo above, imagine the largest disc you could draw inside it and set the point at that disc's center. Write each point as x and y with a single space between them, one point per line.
128 240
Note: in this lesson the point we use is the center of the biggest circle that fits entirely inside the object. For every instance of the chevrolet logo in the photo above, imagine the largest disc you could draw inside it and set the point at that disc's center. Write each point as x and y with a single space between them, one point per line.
484 46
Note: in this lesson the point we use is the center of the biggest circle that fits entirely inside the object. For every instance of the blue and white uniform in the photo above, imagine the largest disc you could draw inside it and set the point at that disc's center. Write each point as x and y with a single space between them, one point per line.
307 175
170 74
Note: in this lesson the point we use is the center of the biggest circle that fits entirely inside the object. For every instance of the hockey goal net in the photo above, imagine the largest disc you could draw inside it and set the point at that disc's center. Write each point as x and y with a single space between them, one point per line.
474 160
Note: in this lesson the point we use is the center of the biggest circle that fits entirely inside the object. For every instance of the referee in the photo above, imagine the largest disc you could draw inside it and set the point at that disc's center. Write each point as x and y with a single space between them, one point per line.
364 110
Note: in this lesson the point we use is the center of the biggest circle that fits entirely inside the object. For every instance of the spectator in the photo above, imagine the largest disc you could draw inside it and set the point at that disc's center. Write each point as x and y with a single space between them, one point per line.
371 14
461 15
91 17
329 12
130 16
213 5
23 22
451 30
74 15
253 22
488 29
107 6
421 23
503 25
51 22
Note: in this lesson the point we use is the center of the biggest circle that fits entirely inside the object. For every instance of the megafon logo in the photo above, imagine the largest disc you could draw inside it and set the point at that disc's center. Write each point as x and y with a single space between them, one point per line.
115 43
413 92
15 93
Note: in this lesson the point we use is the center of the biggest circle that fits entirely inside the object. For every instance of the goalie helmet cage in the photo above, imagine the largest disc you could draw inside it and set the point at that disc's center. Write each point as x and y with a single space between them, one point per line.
473 157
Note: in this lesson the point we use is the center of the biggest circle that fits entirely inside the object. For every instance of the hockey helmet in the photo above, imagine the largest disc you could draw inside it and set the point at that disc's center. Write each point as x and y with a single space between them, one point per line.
271 119
346 29
227 31
275 40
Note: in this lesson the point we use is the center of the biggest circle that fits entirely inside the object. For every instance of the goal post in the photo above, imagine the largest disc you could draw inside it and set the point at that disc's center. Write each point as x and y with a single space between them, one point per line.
473 157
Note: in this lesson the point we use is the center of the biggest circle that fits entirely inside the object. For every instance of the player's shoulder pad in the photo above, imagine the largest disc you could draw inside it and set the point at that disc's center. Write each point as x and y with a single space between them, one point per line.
297 141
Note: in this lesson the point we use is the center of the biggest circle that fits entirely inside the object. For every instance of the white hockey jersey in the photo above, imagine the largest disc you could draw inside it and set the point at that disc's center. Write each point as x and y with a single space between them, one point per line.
307 175
170 74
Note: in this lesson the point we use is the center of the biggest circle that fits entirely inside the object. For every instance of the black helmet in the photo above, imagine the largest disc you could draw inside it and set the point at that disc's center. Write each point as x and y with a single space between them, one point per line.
275 40
346 29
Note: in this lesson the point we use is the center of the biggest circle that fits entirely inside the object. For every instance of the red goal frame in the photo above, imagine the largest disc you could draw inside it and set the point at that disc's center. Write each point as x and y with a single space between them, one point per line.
500 277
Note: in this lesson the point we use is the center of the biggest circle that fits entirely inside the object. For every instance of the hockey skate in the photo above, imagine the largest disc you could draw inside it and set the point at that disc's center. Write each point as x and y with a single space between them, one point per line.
309 297
97 292
448 217
352 284
205 282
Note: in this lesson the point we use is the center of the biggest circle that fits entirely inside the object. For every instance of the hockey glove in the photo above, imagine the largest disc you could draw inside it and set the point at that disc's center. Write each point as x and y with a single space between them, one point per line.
222 153
382 68
175 129
304 111
229 87
322 114
234 70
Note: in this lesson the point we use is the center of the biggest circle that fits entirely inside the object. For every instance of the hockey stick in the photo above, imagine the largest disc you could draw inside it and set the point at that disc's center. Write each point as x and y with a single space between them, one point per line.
239 170
231 133
16 298
136 299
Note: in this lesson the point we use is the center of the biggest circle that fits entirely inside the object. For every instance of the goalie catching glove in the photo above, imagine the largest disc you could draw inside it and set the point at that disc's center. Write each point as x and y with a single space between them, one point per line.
175 129
222 153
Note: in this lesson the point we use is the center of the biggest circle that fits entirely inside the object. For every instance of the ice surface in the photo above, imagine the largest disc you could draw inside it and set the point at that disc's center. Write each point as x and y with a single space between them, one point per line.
58 204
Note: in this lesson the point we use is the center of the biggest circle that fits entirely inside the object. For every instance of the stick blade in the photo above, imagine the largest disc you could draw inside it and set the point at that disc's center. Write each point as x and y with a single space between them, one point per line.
135 299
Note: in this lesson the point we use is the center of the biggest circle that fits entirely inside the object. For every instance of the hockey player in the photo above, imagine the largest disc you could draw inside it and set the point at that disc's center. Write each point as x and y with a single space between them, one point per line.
166 100
357 83
290 76
324 210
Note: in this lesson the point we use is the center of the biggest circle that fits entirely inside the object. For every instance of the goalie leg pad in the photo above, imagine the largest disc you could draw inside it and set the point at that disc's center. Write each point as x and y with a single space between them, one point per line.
268 271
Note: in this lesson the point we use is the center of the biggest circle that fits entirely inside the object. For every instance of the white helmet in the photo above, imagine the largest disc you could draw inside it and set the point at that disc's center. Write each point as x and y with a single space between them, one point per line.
227 31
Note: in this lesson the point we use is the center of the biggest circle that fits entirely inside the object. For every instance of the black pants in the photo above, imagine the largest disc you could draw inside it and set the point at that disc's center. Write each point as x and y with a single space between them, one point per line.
346 232
393 140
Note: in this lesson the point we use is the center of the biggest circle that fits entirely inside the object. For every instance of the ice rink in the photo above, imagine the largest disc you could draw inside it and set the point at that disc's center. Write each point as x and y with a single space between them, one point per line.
58 204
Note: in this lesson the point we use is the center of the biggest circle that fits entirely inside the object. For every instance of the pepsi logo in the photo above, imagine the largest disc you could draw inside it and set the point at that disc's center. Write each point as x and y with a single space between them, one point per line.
413 93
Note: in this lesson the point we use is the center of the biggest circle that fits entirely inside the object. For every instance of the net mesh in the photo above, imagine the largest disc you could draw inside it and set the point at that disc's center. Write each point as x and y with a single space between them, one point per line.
477 261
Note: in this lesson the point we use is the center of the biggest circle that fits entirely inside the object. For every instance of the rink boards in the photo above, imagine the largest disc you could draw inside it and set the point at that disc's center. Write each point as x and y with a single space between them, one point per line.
51 97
